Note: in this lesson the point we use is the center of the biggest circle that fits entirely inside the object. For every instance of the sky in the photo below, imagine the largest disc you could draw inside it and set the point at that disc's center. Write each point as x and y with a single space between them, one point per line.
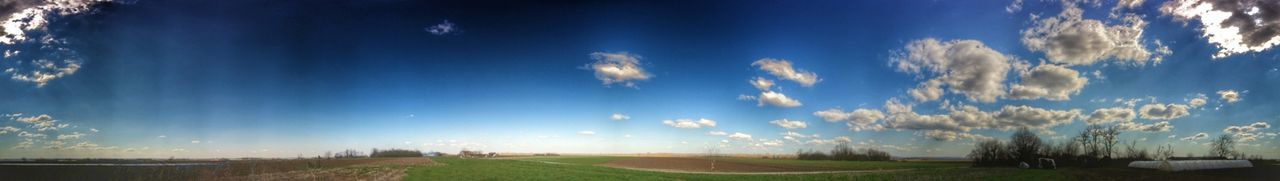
256 78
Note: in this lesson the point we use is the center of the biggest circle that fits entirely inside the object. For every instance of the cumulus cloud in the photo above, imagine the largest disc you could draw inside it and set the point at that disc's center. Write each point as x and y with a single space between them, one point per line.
619 117
1070 39
690 123
1234 26
1163 111
1109 115
41 122
8 129
1197 102
967 117
964 118
744 97
36 52
1198 136
587 133
443 28
1230 96
1162 126
857 120
964 66
941 135
618 68
1014 7
73 135
717 133
740 136
1049 81
783 70
789 124
762 83
1247 133
776 99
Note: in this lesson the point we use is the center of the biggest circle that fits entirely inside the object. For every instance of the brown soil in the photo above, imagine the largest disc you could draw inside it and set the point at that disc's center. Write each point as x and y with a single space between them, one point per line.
686 164
275 169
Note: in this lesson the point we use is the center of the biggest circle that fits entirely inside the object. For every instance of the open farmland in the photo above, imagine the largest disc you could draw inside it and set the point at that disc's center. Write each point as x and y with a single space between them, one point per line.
603 168
290 169
738 168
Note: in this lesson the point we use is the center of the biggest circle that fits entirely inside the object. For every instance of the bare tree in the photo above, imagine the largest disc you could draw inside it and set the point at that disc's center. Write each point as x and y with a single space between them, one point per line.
1109 139
1163 152
1223 146
1025 145
1134 153
989 153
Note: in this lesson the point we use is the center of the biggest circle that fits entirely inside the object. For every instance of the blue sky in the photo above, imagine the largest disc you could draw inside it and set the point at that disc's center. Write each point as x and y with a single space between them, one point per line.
281 79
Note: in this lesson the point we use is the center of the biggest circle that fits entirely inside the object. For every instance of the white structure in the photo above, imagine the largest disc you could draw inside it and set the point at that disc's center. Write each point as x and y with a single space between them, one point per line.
1182 165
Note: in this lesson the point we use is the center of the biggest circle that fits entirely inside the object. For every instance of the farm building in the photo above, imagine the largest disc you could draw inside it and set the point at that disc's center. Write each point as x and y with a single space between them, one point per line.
1184 165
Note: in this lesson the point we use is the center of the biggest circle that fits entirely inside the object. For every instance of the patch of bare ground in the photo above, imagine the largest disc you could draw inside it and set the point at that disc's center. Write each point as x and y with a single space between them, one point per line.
702 165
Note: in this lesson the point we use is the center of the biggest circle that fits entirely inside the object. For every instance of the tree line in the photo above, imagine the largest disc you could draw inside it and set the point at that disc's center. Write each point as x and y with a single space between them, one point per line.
844 152
1094 146
352 153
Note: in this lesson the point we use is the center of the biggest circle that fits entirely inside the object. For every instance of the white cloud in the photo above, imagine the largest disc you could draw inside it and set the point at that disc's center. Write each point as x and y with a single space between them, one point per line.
588 133
1230 96
789 124
39 60
761 83
618 68
1163 111
857 120
1198 136
770 143
1197 102
776 99
744 97
941 135
41 122
1234 26
717 133
1073 40
619 117
1109 115
690 123
1014 7
8 129
443 28
1162 126
1247 133
783 70
740 136
73 135
1049 81
195 141
162 136
965 66
964 118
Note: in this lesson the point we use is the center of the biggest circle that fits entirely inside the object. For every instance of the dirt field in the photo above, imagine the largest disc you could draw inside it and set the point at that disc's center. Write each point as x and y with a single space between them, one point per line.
290 169
704 165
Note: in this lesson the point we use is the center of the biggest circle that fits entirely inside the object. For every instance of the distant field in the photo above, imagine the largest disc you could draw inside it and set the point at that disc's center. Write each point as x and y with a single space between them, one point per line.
286 169
585 168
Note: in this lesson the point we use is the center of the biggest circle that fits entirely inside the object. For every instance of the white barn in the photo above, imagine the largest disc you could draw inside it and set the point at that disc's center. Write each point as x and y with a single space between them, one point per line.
1184 165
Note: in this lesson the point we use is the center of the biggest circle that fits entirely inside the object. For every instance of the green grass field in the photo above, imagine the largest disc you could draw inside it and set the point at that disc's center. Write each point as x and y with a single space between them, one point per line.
581 168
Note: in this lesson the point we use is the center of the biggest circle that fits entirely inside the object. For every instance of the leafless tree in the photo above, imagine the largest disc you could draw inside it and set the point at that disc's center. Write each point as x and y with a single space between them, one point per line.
1109 139
1164 152
1025 145
1223 146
